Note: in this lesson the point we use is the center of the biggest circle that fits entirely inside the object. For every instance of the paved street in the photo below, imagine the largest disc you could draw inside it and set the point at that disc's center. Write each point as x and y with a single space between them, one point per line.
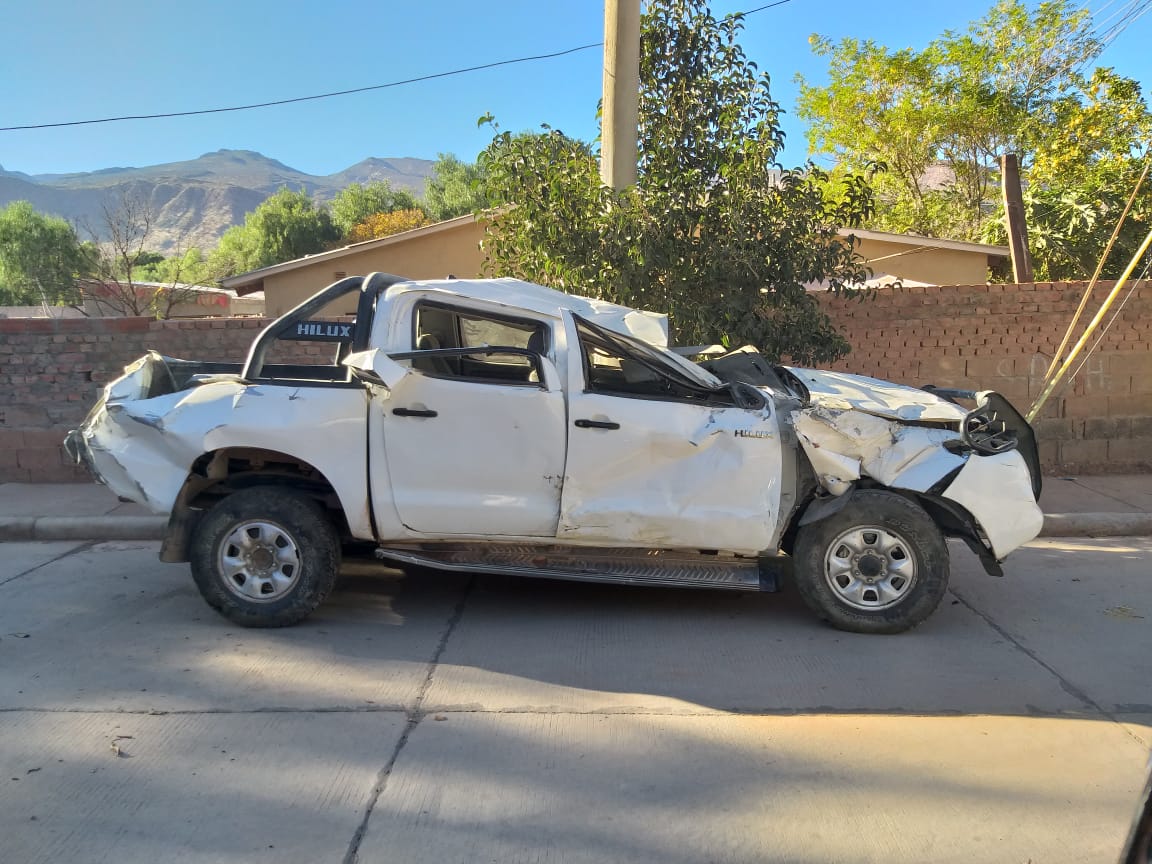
444 719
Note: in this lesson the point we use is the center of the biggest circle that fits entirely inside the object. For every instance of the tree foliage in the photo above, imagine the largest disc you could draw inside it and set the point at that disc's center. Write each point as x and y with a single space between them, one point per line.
936 122
1079 184
287 225
386 224
455 188
40 257
190 267
357 202
713 233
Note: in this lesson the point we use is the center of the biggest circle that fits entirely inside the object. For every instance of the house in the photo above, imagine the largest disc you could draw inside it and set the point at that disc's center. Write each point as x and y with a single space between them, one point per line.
452 248
928 261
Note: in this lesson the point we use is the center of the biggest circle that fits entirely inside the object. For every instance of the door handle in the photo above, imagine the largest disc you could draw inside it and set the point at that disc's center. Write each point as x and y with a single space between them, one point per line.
413 412
597 424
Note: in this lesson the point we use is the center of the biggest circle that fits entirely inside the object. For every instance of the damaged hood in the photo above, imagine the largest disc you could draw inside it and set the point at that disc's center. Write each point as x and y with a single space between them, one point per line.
841 391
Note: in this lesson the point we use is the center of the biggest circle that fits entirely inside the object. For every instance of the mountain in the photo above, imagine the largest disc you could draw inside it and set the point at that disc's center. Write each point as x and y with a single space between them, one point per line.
197 200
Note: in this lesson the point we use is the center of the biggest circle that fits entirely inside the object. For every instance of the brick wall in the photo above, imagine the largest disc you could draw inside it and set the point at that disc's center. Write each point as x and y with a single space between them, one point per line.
997 337
1002 337
52 370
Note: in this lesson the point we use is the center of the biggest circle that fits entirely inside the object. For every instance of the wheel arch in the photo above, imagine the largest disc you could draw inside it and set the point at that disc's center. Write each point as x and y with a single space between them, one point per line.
217 473
951 518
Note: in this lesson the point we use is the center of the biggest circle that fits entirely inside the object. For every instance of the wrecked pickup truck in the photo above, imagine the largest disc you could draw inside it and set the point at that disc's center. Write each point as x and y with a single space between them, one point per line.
499 426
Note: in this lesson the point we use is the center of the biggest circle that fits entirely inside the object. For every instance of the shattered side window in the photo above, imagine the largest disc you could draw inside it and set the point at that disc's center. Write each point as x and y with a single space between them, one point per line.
610 366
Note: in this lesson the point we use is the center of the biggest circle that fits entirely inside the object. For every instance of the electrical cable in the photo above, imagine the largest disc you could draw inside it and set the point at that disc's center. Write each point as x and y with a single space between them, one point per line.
305 98
1059 391
347 92
1099 269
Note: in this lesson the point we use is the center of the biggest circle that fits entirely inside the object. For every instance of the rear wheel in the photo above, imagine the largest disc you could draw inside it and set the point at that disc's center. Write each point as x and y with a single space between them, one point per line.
878 565
265 557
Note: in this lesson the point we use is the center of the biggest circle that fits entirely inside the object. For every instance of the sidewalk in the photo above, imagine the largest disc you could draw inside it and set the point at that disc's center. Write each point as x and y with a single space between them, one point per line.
1100 506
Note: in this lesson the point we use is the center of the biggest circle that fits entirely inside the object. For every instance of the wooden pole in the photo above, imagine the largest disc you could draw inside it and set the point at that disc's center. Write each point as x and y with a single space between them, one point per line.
621 106
1014 211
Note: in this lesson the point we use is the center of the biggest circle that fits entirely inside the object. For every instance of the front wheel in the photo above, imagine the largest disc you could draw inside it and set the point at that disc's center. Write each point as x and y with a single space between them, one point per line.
265 557
878 565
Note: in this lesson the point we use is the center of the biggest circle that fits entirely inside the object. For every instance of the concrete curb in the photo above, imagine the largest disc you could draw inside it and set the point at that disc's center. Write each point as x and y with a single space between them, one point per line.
44 528
1097 525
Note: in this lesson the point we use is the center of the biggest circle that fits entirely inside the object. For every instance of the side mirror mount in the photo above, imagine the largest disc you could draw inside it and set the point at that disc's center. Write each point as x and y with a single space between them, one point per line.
377 368
549 374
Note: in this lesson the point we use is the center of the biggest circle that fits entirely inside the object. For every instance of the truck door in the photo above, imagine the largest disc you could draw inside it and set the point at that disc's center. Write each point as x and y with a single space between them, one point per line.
474 435
654 460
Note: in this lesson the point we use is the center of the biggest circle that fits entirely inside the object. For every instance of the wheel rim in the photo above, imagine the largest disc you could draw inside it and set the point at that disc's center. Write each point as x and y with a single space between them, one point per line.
259 561
870 568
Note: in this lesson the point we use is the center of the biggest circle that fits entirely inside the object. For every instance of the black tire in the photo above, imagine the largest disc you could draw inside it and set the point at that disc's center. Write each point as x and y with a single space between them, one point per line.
881 536
283 571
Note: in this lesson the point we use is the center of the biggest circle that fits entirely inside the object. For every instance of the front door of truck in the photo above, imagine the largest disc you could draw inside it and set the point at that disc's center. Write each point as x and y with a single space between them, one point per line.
654 461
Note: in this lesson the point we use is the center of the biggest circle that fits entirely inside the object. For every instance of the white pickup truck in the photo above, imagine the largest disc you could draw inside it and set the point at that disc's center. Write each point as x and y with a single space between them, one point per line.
500 426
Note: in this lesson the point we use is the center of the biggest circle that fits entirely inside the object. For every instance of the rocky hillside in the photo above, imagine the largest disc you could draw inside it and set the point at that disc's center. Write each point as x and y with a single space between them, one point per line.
195 201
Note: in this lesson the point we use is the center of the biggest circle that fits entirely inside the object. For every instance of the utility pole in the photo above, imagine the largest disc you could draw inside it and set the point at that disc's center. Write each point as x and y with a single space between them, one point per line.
621 105
1014 212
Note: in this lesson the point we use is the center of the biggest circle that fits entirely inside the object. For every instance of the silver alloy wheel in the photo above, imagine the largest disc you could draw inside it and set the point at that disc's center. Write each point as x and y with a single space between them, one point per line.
870 567
258 561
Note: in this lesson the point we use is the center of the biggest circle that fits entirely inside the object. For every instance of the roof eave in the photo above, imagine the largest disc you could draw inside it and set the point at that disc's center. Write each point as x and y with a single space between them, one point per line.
241 282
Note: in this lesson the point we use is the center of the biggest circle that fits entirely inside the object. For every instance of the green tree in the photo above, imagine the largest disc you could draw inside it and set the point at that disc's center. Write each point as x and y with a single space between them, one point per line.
40 257
287 225
455 188
357 202
713 233
1079 182
936 121
189 267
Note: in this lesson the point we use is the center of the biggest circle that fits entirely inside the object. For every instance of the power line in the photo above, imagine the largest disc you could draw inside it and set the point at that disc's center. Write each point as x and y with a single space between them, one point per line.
305 98
348 92
765 6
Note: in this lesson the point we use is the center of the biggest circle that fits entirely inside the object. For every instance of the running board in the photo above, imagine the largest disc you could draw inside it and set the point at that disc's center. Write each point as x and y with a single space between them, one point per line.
619 566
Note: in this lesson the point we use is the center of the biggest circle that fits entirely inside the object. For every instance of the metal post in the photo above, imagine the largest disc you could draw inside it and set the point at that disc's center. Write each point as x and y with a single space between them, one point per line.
621 106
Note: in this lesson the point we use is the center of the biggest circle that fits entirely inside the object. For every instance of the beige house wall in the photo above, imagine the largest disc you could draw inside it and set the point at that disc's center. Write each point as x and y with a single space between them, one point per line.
454 251
934 266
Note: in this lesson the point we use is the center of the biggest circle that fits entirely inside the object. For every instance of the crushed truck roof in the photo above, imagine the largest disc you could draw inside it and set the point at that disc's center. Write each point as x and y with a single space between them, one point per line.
652 327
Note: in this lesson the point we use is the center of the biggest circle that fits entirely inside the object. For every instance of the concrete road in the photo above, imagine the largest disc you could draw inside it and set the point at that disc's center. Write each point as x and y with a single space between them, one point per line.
443 719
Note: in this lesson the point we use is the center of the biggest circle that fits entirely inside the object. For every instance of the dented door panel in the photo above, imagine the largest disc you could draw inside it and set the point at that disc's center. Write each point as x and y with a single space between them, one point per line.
669 473
672 475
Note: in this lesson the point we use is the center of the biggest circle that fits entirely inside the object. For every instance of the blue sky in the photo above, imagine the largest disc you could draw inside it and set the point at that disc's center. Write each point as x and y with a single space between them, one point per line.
76 59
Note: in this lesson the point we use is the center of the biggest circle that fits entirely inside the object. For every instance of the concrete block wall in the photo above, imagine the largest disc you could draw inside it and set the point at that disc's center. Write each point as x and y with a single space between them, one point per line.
52 371
1003 337
998 337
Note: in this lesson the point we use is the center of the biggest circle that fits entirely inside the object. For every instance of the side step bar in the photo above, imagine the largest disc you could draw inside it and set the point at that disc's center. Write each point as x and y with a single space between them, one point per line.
618 566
